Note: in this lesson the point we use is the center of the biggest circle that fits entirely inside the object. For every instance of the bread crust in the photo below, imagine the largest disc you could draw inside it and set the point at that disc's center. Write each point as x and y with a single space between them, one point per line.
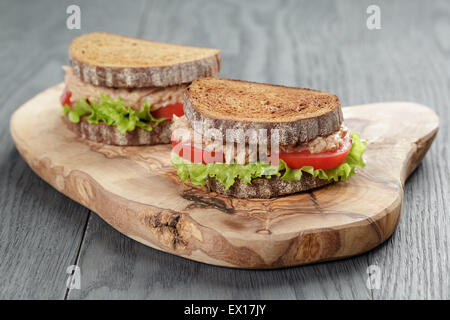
290 132
104 133
266 188
142 73
146 77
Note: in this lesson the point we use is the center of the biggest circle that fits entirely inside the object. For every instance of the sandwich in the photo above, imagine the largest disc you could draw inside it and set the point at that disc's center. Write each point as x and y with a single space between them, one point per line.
253 140
125 91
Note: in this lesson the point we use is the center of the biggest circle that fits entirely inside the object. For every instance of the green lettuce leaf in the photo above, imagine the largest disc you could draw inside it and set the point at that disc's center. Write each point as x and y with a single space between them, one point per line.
113 113
227 173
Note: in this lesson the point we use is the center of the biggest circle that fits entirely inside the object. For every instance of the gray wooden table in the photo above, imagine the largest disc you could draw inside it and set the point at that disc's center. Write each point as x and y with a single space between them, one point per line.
316 44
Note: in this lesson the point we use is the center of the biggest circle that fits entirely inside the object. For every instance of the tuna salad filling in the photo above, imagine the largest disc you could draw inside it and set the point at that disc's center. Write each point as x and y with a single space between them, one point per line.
320 144
134 98
332 157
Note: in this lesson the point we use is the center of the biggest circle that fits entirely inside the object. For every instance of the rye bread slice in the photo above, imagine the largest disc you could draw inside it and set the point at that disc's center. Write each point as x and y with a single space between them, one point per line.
299 114
110 60
266 188
104 133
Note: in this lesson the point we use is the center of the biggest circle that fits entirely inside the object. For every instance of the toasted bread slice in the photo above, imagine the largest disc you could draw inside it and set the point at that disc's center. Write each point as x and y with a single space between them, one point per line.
299 114
111 60
104 133
266 188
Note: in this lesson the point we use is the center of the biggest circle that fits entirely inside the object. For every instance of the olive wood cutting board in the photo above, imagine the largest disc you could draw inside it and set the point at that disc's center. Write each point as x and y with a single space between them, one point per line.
137 191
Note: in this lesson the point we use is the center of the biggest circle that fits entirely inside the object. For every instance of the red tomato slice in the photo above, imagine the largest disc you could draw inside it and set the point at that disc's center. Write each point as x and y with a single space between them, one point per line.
294 160
196 155
168 111
323 160
65 97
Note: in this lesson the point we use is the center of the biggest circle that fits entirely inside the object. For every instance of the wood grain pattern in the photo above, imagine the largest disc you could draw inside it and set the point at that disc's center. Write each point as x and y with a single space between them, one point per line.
320 44
334 222
41 230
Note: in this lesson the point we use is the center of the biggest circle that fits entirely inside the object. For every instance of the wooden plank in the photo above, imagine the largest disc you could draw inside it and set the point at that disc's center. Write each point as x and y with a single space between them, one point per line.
242 32
289 46
116 267
309 44
414 262
41 229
